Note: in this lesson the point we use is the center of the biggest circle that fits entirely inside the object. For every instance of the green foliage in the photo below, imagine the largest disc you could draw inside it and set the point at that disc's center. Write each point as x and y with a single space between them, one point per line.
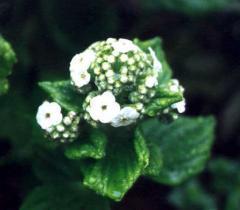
63 93
64 197
124 162
156 45
220 192
191 7
185 146
7 60
93 147
192 196
163 99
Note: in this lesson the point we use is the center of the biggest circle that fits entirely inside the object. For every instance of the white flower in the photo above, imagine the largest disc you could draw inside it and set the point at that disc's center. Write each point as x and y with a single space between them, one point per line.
151 81
156 63
124 46
80 79
48 115
126 116
175 87
180 106
103 107
82 61
79 65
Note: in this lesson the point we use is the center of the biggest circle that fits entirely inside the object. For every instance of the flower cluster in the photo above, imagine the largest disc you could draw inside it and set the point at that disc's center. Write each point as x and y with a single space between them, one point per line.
57 127
117 80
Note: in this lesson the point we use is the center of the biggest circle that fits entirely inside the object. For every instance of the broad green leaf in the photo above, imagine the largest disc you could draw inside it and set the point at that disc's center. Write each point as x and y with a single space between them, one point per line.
72 196
155 160
185 146
156 45
191 196
3 86
7 58
126 157
93 147
64 93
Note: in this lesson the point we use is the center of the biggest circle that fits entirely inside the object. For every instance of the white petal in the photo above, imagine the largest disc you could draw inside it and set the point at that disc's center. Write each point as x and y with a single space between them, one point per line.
156 63
151 81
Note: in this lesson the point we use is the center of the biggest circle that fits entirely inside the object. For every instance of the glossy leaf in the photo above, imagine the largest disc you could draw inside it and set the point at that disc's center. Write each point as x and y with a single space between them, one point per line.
64 93
126 157
156 45
185 146
93 147
71 196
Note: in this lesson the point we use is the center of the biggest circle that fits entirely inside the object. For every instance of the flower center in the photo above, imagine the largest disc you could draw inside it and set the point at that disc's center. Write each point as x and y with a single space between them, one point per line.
83 76
47 115
104 107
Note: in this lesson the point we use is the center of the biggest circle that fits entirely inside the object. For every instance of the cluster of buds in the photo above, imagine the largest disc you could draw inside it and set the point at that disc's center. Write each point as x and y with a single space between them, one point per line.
118 80
58 127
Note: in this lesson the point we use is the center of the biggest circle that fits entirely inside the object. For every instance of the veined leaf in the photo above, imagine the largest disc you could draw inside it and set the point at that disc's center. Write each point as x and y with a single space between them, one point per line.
156 45
71 196
93 147
185 146
124 162
64 93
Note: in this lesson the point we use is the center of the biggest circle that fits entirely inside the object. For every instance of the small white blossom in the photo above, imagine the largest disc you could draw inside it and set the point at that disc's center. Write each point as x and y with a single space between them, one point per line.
103 107
79 65
48 115
80 79
156 63
180 106
175 87
124 46
126 116
151 81
82 61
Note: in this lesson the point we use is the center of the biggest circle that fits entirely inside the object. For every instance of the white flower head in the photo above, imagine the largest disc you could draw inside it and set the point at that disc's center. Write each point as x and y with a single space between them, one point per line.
151 81
103 107
48 115
79 66
124 46
126 116
157 66
180 106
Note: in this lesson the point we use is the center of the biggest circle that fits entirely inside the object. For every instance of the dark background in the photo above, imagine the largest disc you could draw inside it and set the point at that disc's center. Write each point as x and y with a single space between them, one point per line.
202 43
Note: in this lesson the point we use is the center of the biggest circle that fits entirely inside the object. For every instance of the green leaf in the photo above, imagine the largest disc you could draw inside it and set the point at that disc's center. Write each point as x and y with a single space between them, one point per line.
226 175
93 147
233 200
72 196
126 157
7 58
156 45
163 99
191 196
185 146
3 86
64 93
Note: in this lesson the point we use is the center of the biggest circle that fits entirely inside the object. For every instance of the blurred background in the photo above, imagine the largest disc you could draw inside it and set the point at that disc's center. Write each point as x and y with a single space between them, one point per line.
201 39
